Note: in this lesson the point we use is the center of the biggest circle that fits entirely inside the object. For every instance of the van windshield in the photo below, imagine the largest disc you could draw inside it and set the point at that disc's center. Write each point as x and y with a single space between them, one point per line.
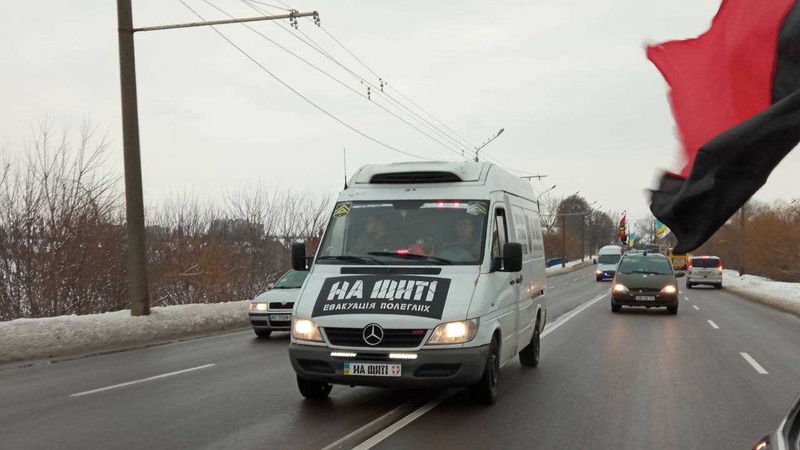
406 232
608 259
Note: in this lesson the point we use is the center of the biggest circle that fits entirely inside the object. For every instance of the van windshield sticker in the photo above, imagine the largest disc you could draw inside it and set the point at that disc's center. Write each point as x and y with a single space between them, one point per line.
476 208
342 210
404 295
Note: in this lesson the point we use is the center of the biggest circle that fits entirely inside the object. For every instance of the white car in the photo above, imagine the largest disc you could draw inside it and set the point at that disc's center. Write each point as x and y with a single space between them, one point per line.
429 274
272 310
704 270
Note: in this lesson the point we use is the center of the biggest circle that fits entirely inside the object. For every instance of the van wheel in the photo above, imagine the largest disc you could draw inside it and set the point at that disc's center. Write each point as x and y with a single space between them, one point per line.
616 308
263 333
672 310
718 286
313 389
529 356
689 285
486 390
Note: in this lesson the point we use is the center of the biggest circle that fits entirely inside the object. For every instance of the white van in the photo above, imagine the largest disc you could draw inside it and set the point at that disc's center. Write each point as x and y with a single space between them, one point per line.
607 260
429 274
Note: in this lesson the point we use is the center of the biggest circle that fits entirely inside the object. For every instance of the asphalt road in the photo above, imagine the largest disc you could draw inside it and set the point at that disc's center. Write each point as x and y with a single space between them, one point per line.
636 380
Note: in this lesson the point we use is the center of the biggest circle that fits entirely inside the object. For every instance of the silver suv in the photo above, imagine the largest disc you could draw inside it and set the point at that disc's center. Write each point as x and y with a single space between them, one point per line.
704 270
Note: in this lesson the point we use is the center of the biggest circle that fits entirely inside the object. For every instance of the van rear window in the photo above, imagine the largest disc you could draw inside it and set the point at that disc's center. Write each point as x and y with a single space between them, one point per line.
705 262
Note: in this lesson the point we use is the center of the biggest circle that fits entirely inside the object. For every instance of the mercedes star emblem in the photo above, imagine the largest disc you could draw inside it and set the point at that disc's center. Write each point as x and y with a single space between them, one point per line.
373 334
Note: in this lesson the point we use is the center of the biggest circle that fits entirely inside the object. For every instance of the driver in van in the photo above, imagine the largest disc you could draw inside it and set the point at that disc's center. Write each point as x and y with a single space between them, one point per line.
374 238
465 244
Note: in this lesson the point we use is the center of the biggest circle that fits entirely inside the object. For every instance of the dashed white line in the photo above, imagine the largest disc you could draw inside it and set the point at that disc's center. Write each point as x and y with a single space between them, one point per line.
686 298
713 325
753 363
140 381
695 307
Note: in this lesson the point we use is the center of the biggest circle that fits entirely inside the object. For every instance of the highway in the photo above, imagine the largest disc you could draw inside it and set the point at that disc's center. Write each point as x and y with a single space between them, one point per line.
718 375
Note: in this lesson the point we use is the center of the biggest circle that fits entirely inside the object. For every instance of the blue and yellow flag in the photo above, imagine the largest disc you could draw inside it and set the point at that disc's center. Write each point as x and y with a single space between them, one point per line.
661 229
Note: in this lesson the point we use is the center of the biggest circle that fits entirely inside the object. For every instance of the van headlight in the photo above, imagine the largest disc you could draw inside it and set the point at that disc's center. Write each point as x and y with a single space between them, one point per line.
620 288
305 330
454 332
669 289
258 306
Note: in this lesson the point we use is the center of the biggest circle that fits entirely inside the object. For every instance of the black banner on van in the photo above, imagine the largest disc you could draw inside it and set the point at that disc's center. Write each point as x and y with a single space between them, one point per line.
382 294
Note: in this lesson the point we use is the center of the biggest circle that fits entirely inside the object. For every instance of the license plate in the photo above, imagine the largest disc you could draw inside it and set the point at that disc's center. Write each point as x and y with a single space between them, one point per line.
645 298
280 317
372 370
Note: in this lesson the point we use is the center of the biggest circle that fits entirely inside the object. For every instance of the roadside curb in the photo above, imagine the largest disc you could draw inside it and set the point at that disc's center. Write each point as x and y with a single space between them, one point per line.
772 302
574 268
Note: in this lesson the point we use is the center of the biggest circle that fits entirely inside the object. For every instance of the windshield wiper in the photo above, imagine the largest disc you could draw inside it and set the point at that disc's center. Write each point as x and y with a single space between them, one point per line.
413 256
350 258
648 272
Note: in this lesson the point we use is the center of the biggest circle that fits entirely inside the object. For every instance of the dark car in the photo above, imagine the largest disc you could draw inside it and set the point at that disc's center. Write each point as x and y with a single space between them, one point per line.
645 279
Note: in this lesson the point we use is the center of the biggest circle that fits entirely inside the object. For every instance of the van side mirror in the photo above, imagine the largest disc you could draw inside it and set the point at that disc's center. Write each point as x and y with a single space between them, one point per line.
299 257
512 257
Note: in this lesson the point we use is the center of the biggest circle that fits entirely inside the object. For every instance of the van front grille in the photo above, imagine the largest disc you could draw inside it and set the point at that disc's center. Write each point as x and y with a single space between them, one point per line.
392 338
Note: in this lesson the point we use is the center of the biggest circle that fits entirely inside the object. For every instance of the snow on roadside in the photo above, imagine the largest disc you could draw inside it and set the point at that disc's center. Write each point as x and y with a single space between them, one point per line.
781 295
558 270
27 339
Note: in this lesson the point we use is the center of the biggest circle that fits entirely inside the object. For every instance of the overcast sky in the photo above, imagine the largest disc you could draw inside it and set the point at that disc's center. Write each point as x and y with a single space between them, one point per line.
568 81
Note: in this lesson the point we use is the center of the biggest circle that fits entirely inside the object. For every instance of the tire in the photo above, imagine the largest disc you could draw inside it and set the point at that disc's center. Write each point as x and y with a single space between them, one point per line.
529 356
672 310
718 286
616 308
313 389
599 278
263 333
486 390
689 285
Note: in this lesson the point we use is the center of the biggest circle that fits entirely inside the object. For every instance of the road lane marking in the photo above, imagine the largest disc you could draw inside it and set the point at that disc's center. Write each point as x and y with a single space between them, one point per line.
695 307
379 437
753 363
563 319
143 380
713 325
388 417
686 298
374 440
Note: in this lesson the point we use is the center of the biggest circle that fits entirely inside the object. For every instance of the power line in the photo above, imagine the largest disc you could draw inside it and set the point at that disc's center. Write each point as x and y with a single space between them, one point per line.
469 147
248 56
377 89
332 77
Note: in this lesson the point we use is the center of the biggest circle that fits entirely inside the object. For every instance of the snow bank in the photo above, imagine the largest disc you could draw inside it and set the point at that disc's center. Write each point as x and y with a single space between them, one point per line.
26 339
781 295
571 267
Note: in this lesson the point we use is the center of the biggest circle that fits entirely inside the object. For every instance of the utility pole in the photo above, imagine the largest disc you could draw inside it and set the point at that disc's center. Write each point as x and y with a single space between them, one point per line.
583 237
134 203
563 241
742 221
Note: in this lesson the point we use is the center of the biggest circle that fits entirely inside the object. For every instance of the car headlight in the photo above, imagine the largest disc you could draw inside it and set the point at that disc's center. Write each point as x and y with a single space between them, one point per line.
258 306
305 330
669 289
454 332
598 272
620 288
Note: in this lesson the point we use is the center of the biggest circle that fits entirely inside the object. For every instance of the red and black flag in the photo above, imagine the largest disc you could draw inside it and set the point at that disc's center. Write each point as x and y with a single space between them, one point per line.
622 231
735 95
